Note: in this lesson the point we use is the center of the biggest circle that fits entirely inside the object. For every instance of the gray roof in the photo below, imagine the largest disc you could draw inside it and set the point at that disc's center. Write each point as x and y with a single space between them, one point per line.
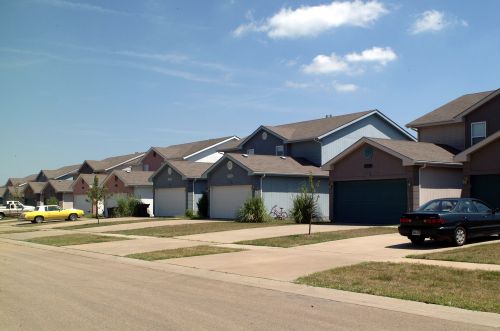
22 180
450 111
37 187
56 173
111 162
276 165
464 155
89 178
183 150
12 189
61 186
133 178
189 169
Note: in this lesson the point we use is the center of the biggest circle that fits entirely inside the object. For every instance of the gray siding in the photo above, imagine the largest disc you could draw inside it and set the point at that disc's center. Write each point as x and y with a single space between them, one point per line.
220 176
263 147
373 126
310 150
280 191
164 180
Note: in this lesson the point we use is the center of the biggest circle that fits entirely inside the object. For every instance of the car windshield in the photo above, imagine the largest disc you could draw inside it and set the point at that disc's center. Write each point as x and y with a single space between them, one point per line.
442 206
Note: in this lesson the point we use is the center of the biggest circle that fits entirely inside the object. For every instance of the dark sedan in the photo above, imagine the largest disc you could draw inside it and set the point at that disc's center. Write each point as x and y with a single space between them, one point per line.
450 219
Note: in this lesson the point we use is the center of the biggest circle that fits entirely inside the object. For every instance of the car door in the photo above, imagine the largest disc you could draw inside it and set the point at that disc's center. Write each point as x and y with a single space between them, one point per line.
470 217
52 212
488 222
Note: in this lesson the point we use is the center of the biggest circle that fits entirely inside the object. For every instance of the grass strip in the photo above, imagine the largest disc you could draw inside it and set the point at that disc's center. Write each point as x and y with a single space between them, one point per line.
486 254
73 239
108 223
17 231
167 231
468 289
182 252
319 237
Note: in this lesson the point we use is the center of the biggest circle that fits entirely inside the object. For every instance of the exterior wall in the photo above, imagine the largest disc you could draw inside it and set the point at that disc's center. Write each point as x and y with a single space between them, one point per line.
450 134
153 160
209 158
41 178
263 147
49 192
489 113
438 183
280 191
164 180
67 201
221 176
310 150
373 126
30 198
86 169
200 186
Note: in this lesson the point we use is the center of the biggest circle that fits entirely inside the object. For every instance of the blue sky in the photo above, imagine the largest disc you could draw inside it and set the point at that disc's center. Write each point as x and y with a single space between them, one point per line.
91 79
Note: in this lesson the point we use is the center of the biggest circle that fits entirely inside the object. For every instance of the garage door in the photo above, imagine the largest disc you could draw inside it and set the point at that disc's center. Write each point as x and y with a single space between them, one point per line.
370 202
486 188
80 202
170 201
225 201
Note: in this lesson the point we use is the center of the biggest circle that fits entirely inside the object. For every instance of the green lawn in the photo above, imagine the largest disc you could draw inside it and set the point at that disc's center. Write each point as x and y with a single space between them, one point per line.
468 289
182 252
486 253
17 231
73 239
108 222
188 229
314 238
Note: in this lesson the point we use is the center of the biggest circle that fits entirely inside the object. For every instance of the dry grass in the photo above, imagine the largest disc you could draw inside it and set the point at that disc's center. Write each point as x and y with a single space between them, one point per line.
17 231
314 238
188 229
486 254
468 289
74 239
108 222
182 252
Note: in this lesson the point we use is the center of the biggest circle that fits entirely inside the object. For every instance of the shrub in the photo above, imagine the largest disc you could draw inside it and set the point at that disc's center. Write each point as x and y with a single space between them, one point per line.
126 206
52 201
190 214
203 205
253 211
305 205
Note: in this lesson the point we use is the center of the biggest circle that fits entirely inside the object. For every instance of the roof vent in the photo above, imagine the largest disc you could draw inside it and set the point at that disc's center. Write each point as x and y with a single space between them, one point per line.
244 155
283 157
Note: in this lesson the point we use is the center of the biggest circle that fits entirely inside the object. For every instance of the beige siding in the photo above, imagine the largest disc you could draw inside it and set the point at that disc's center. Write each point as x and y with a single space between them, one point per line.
451 134
438 183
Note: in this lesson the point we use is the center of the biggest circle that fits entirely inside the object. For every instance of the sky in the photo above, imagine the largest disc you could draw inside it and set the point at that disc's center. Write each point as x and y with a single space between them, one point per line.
91 79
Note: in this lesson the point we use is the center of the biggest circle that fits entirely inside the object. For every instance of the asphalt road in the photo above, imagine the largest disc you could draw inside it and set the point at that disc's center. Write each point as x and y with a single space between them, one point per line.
50 290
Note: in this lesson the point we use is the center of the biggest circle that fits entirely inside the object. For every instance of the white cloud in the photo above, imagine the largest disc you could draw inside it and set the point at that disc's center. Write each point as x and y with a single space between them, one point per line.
352 63
374 54
307 21
433 21
295 85
344 88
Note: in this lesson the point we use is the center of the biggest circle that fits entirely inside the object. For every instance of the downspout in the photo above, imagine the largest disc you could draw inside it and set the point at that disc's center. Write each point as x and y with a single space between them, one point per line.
192 203
261 189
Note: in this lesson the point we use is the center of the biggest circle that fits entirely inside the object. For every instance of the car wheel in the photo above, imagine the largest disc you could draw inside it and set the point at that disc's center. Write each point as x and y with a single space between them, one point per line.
2 216
33 221
73 217
39 219
417 240
459 236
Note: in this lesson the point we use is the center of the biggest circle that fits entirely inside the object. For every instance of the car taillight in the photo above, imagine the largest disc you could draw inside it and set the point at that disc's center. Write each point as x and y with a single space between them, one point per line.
434 221
405 220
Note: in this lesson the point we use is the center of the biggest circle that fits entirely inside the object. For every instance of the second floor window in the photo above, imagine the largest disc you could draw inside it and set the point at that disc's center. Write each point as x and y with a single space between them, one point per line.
280 151
478 132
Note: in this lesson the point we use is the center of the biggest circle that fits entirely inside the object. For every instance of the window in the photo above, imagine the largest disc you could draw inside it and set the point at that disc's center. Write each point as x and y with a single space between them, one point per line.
477 132
250 151
280 151
481 208
53 208
467 207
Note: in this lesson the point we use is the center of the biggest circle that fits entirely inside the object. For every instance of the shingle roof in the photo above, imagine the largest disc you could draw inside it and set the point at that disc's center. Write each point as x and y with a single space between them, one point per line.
61 186
110 162
182 150
89 178
54 174
37 187
133 178
451 110
464 155
189 169
12 189
308 130
231 146
276 165
22 180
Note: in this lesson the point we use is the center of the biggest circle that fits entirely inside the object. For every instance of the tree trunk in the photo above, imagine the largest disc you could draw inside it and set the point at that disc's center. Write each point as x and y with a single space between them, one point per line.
97 211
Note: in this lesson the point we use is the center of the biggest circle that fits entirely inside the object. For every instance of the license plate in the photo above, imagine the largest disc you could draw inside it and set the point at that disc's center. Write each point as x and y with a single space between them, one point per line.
416 232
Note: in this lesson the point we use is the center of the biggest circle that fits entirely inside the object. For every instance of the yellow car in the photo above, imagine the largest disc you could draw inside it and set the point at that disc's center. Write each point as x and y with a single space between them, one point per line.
51 212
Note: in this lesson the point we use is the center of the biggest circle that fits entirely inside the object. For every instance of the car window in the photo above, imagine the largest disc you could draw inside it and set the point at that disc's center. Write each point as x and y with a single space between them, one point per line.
448 205
466 207
53 208
40 208
481 207
439 206
431 206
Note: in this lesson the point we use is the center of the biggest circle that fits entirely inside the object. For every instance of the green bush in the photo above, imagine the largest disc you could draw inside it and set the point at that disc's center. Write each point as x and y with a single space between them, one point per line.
190 214
203 206
52 201
305 204
253 211
126 206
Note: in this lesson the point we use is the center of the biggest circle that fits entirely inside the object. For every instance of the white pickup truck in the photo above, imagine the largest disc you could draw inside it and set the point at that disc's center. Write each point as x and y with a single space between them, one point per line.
14 209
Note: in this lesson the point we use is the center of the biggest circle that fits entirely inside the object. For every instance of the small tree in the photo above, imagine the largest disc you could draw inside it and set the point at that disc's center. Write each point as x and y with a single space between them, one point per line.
203 206
52 201
305 204
96 194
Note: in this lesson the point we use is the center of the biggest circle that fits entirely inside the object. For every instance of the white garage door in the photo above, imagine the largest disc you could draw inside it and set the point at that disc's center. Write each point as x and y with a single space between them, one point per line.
170 201
80 202
225 201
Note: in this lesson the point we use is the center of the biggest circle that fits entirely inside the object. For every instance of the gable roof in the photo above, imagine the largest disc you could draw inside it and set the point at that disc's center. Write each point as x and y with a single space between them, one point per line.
113 162
455 110
89 179
17 181
13 189
464 156
187 169
37 187
184 151
410 152
60 186
271 165
320 128
132 178
57 173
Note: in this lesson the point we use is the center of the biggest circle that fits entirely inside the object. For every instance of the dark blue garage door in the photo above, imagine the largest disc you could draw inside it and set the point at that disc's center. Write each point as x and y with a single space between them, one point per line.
369 201
486 188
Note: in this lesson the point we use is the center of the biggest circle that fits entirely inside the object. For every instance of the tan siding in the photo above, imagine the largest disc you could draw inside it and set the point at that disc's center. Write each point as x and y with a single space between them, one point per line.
452 135
438 183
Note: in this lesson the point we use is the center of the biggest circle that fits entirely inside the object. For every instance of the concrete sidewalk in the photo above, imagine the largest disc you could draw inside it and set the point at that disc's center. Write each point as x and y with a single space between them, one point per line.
141 225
